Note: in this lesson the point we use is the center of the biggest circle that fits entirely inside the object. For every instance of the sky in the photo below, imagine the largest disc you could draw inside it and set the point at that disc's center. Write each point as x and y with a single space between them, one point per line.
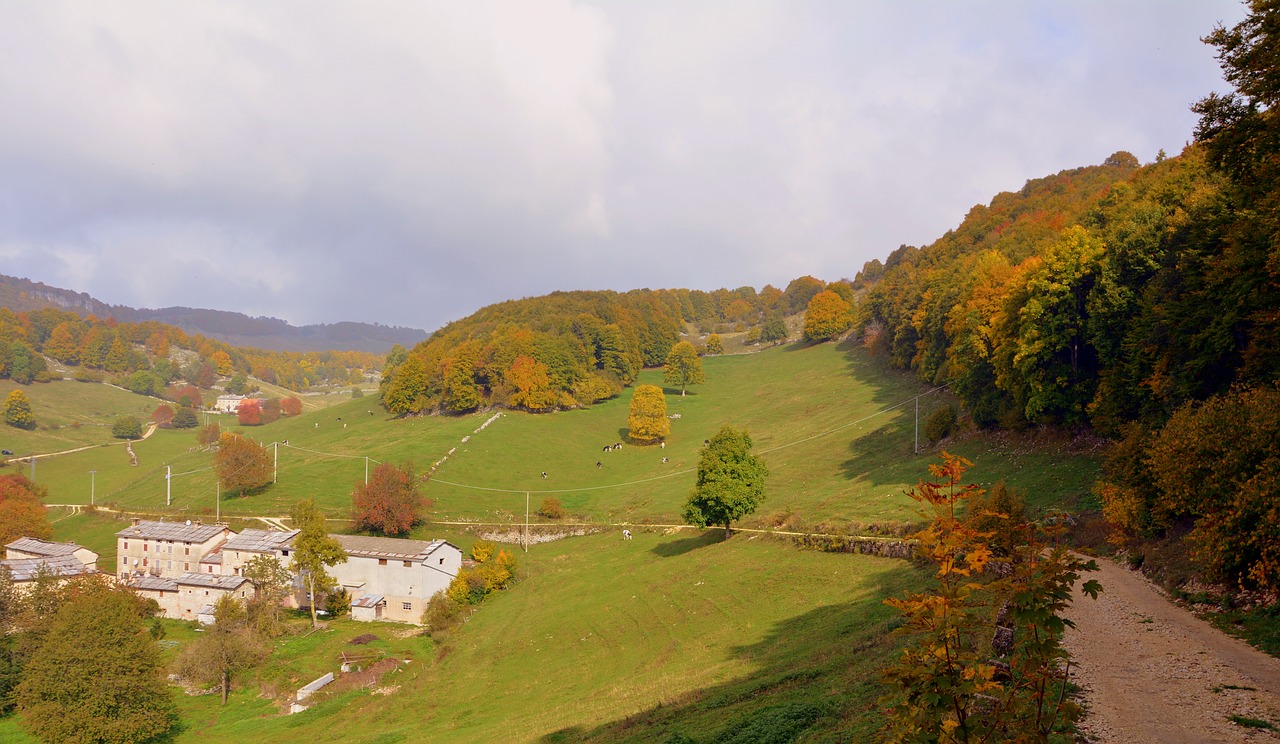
408 163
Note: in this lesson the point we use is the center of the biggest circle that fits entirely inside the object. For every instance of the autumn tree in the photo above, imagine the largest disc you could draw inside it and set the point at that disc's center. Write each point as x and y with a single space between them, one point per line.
17 411
223 364
22 510
532 384
827 316
648 421
241 464
208 435
800 291
773 331
163 416
185 418
314 550
96 674
389 503
714 344
730 483
126 427
291 406
683 367
225 649
249 412
63 344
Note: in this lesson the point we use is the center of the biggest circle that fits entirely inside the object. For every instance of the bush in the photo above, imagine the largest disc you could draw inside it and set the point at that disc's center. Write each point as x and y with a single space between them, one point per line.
126 427
551 508
84 374
185 418
338 603
482 551
357 393
940 423
442 614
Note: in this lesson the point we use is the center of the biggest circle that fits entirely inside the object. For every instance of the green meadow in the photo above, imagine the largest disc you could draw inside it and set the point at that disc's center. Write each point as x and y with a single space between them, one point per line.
835 426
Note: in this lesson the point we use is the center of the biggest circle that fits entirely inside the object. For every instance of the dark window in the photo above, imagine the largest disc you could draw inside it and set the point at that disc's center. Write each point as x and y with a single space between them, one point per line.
408 564
382 561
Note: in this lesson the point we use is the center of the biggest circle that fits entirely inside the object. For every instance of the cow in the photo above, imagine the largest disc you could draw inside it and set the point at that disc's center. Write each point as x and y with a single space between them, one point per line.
598 465
664 461
626 534
544 474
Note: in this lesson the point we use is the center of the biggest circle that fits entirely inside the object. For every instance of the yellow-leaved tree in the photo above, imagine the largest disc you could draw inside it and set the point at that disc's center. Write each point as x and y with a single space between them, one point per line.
827 316
648 420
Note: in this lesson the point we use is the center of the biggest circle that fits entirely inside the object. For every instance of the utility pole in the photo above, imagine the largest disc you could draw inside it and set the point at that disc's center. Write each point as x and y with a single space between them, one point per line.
275 460
917 424
366 470
526 521
92 473
217 499
168 485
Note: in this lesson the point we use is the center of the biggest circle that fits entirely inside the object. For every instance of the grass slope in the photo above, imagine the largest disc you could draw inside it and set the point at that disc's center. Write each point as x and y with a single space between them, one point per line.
835 426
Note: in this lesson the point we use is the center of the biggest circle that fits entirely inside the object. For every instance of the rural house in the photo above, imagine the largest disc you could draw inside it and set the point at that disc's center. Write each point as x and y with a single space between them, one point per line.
31 547
191 596
392 579
241 548
166 549
227 403
24 571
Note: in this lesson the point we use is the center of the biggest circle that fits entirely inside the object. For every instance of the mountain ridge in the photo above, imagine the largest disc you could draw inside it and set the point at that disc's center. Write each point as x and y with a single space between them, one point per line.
22 294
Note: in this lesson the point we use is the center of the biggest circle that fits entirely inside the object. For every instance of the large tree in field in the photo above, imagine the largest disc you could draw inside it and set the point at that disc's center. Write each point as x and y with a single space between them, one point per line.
827 316
683 367
241 464
730 481
249 412
17 411
22 511
314 550
648 420
390 502
95 677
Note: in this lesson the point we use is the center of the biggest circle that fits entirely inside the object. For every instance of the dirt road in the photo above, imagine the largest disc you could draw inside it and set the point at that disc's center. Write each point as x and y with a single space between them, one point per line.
1153 672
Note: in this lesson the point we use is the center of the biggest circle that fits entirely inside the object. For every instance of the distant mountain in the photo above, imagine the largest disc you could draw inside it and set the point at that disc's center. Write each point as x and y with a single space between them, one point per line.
233 328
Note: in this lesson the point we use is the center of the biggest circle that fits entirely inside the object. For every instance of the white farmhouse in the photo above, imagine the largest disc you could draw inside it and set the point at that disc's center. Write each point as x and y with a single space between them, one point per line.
391 579
241 548
32 547
227 403
191 596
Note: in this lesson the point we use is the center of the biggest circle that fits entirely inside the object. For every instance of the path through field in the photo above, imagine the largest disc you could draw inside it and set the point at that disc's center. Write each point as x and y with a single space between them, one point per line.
1153 672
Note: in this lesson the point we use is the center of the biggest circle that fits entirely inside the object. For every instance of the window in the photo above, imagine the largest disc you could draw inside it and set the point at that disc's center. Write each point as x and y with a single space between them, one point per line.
285 553
408 564
406 605
186 551
144 547
186 567
144 561
170 564
126 544
124 561
442 561
382 561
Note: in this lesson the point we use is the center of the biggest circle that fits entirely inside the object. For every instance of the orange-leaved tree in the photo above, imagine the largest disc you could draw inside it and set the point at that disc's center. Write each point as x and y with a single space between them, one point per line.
22 512
241 464
647 422
955 682
390 502
827 316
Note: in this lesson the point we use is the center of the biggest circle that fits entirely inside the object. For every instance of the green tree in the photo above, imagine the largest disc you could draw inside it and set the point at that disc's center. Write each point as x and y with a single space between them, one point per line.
126 427
683 367
17 411
271 582
185 418
390 502
241 464
648 421
827 316
714 344
96 673
223 650
314 550
730 482
461 394
774 330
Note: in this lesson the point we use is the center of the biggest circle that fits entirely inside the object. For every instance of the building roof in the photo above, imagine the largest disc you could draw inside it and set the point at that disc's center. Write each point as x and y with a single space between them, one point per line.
369 600
212 581
389 547
177 531
153 584
259 541
212 557
26 569
231 396
36 546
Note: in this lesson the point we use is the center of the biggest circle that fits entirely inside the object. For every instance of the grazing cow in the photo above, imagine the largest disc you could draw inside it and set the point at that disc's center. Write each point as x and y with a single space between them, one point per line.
662 445
317 424
626 534
544 474
339 418
606 448
664 461
598 465
705 442
617 446
344 424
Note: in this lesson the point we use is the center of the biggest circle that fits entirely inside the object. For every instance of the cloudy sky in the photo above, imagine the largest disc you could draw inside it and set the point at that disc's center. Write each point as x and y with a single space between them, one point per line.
409 162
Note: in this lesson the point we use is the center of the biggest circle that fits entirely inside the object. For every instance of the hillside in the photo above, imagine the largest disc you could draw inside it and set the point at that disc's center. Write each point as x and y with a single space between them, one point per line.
236 329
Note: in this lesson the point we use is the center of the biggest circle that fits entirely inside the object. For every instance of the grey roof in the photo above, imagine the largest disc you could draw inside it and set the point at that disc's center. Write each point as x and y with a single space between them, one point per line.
368 600
36 546
212 581
26 569
214 557
259 541
388 547
153 584
176 531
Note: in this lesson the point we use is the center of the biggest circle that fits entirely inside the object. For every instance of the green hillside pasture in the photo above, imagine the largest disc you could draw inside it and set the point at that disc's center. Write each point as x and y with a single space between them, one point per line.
324 460
823 418
70 415
611 640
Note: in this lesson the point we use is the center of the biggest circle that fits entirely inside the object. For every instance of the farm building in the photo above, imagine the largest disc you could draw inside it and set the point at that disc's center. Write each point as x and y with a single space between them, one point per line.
166 549
191 596
31 547
391 579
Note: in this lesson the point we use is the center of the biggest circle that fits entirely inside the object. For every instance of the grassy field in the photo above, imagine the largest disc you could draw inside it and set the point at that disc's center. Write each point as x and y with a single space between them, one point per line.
70 414
835 427
605 640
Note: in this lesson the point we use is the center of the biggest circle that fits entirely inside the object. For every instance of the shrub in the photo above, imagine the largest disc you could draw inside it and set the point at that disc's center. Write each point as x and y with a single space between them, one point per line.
185 418
482 551
442 613
84 374
126 427
940 423
338 603
357 392
551 508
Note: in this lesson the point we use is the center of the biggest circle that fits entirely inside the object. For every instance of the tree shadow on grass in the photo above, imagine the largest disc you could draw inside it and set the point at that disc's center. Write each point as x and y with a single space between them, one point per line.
815 675
673 548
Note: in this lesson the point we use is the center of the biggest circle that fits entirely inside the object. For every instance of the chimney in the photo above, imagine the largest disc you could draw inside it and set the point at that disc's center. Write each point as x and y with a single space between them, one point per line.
136 521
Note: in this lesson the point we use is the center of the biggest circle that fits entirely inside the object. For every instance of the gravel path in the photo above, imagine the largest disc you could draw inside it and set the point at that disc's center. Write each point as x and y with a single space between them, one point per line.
1153 672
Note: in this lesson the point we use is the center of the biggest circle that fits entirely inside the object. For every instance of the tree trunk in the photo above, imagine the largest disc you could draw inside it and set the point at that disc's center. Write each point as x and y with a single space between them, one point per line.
226 685
727 531
311 591
682 391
